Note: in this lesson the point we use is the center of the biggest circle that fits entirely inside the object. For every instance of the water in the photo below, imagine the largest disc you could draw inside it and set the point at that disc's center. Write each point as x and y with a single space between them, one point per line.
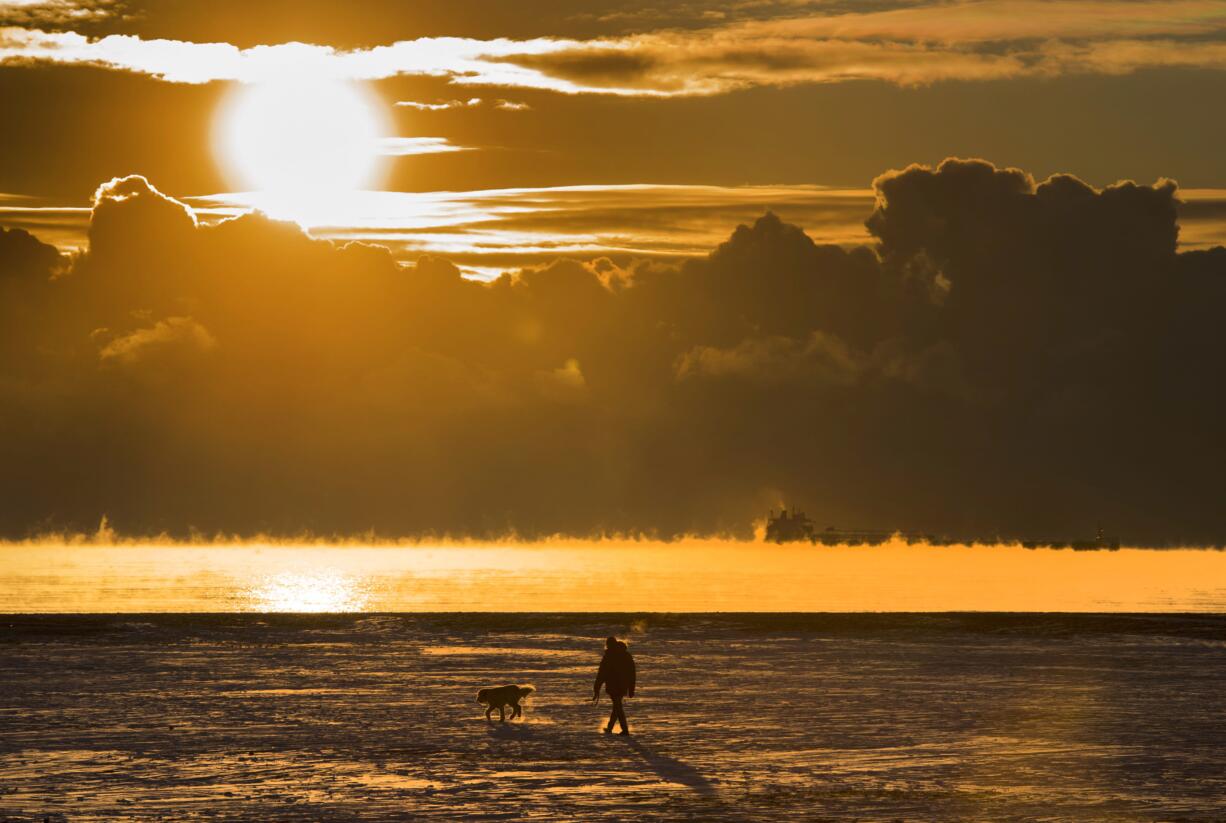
50 577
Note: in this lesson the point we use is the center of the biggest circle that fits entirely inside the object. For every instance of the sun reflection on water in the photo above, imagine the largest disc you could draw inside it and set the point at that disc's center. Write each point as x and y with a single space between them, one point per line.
603 576
311 592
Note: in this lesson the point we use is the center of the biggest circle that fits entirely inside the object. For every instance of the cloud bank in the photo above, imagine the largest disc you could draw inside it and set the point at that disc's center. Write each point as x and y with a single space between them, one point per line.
1009 358
914 45
53 12
489 232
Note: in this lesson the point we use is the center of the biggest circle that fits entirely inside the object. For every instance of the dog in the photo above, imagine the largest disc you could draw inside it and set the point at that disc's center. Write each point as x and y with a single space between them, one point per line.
499 697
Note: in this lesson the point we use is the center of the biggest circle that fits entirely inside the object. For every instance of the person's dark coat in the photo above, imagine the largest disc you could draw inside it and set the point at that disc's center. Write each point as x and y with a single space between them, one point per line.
616 672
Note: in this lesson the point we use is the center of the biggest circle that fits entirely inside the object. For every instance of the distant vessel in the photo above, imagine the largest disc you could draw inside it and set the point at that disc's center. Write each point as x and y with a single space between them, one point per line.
1101 541
790 527
796 527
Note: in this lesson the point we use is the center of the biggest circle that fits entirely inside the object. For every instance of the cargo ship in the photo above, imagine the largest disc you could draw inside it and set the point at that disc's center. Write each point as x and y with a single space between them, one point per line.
792 526
796 527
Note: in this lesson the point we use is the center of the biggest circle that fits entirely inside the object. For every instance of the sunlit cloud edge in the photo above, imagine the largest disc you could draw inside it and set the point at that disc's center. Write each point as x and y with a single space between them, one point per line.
913 46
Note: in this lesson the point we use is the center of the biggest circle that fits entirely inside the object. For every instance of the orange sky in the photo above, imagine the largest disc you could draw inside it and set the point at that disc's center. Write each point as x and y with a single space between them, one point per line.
481 269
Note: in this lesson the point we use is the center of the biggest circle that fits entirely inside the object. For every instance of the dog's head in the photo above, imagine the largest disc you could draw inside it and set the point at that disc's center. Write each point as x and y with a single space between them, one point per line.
524 691
483 696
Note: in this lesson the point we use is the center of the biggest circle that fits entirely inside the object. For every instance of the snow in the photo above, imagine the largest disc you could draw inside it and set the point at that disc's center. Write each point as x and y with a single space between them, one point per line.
739 717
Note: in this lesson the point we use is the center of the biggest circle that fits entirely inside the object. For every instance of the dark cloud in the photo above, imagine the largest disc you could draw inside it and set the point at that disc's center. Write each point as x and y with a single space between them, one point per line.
367 22
1011 359
595 66
25 256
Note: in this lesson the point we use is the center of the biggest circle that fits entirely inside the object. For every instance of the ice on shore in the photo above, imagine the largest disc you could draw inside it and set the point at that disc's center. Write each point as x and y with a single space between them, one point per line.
739 717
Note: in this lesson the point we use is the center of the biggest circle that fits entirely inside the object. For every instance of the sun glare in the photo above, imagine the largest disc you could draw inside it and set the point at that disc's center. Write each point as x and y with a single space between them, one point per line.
310 592
298 140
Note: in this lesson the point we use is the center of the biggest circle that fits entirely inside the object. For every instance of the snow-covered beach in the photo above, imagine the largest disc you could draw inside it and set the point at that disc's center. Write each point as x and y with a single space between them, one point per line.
739 717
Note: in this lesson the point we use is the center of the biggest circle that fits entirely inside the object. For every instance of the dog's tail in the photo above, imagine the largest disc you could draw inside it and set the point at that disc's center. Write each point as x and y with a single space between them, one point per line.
524 691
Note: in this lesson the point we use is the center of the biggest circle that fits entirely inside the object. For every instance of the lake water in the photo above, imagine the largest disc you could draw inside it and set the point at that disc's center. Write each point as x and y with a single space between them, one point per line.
634 576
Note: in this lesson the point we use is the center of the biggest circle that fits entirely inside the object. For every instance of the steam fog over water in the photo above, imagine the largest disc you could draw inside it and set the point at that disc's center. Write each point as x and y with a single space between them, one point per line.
603 576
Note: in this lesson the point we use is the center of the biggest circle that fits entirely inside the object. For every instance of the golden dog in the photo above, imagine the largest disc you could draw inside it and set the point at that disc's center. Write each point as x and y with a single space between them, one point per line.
499 697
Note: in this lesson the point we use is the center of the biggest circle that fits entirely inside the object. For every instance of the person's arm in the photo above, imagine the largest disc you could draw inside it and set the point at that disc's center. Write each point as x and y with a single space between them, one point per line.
632 672
602 674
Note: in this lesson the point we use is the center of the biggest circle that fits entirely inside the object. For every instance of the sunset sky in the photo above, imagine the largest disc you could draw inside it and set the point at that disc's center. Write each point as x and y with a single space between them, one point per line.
553 323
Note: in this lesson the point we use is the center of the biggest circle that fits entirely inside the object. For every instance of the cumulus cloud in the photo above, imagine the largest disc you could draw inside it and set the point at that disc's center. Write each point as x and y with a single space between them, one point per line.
25 256
913 45
818 359
495 230
181 333
1008 357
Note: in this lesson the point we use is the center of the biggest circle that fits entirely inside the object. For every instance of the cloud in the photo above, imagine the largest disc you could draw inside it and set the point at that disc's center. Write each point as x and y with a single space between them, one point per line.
181 333
1007 357
25 256
965 21
462 59
450 104
686 64
129 210
491 231
914 45
54 12
496 230
404 146
820 358
470 103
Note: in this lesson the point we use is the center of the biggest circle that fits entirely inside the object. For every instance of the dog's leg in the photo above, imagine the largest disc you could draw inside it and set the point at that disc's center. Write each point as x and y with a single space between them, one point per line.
502 715
516 711
488 711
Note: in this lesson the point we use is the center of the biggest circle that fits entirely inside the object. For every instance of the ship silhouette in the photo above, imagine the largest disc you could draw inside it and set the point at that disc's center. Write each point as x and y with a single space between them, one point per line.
789 527
792 526
1101 541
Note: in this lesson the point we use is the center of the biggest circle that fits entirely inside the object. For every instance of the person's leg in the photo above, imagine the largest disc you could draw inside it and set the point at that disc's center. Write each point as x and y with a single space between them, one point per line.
619 711
612 716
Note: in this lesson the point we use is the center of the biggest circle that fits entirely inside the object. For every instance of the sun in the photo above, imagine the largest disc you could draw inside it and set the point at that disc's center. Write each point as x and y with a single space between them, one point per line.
298 139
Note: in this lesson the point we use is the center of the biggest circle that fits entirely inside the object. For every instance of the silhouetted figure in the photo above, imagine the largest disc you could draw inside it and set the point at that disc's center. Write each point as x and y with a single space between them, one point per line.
616 674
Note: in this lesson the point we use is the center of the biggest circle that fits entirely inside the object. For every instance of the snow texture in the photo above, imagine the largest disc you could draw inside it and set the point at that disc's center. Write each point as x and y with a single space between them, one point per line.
738 717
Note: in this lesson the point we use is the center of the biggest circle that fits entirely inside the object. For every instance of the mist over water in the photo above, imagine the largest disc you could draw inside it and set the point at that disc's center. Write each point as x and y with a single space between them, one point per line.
601 576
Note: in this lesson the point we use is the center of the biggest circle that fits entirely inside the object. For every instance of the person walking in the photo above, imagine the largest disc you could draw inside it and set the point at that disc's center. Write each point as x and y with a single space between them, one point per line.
617 675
